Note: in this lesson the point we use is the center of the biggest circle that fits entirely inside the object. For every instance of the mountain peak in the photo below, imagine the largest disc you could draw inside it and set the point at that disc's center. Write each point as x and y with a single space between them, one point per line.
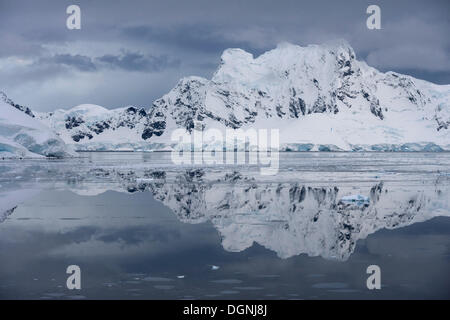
341 48
233 54
240 66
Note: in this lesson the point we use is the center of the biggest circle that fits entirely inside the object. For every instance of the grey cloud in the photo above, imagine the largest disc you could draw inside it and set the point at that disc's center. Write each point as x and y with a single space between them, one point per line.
193 37
18 46
135 61
78 62
129 61
31 74
410 57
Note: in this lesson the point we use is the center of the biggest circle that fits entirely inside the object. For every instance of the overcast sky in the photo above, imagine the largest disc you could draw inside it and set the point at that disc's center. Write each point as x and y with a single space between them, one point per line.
131 52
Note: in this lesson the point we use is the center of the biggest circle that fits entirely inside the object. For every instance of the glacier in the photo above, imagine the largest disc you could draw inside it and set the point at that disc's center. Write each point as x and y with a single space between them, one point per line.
22 135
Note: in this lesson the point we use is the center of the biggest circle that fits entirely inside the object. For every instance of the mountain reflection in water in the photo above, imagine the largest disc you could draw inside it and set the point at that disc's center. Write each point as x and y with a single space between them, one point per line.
304 209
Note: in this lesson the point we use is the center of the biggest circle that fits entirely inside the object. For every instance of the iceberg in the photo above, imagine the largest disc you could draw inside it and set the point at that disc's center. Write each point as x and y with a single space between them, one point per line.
356 198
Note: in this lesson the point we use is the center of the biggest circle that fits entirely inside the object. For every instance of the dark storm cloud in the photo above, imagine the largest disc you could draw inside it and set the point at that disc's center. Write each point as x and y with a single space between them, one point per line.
198 38
135 61
129 61
169 39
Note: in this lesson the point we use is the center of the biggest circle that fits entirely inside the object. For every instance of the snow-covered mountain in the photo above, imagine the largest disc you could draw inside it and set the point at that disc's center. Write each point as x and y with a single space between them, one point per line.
320 97
23 135
93 127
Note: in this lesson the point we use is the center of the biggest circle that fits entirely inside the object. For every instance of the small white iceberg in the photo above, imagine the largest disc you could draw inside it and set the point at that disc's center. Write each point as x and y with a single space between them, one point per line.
355 198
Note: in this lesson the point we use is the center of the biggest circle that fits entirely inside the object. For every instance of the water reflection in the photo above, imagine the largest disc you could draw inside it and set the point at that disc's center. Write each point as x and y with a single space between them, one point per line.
289 218
288 214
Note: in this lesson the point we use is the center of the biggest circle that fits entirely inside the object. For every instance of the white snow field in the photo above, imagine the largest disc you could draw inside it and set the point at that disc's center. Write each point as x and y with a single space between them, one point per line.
24 136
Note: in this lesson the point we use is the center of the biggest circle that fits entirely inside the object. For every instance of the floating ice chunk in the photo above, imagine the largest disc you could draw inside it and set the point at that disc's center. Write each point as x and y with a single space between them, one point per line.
213 267
355 198
180 277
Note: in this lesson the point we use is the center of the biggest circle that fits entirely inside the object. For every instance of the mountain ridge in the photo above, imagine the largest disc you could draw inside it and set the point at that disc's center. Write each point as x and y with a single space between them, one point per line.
320 97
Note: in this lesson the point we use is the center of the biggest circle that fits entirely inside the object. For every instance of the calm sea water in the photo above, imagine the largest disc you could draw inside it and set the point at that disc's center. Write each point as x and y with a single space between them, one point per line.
140 227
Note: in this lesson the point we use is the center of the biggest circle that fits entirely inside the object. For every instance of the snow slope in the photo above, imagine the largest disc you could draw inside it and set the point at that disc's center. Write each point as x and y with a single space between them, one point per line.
22 135
319 97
